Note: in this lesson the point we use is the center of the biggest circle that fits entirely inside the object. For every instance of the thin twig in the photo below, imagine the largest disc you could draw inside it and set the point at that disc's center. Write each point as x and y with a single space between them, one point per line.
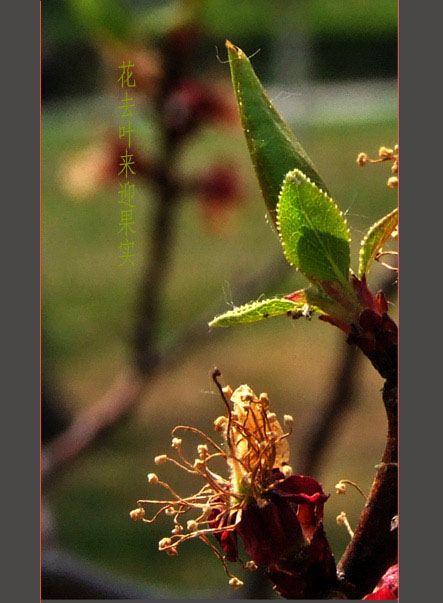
108 413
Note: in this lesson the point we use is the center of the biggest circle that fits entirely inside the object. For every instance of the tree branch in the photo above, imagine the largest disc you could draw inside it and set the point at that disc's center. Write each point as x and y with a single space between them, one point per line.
122 398
373 548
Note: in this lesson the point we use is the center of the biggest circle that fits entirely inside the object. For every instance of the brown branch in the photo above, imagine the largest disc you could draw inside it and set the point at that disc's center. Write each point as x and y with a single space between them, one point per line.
339 403
123 396
108 413
145 346
374 546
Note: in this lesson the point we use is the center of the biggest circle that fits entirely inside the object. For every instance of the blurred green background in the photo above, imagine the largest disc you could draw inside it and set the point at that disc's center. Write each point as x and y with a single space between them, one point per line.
331 68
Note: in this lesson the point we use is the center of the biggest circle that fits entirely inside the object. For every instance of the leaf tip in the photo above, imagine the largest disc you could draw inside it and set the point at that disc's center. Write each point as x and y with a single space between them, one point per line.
233 51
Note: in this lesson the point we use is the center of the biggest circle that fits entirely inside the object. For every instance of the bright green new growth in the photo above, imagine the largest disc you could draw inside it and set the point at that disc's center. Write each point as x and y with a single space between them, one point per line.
375 238
256 311
273 147
313 231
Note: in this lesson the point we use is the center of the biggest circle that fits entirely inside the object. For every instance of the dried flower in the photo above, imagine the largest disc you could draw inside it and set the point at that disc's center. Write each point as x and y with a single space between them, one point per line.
272 511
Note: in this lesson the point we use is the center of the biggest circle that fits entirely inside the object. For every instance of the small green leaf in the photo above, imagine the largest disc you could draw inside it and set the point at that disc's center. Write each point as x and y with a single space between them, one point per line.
375 238
313 231
256 311
273 147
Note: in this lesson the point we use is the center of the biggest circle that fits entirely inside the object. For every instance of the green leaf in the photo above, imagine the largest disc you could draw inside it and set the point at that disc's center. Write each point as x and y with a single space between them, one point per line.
258 310
272 145
313 231
375 238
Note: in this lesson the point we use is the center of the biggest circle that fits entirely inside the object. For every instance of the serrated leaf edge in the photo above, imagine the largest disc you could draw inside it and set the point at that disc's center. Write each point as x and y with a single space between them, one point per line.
251 306
376 225
289 174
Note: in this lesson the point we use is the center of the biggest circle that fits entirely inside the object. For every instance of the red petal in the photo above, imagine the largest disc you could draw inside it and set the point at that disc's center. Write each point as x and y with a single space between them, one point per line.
341 325
387 587
382 594
227 540
365 296
301 489
270 532
380 298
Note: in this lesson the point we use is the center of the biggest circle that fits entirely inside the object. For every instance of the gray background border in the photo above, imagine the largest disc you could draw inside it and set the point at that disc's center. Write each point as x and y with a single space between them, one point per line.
420 121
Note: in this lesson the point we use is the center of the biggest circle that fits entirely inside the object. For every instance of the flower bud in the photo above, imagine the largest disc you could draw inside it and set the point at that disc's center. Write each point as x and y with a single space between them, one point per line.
250 565
341 519
271 417
170 511
176 443
340 488
178 529
288 421
192 525
393 182
385 153
362 159
286 470
160 459
220 423
152 478
235 583
203 451
137 514
172 552
163 543
227 390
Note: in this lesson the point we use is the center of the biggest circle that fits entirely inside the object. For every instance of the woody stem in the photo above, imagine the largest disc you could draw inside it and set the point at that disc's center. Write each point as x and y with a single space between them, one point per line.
374 546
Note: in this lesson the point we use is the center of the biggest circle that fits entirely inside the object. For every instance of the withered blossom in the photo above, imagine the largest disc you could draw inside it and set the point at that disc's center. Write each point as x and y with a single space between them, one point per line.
277 515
